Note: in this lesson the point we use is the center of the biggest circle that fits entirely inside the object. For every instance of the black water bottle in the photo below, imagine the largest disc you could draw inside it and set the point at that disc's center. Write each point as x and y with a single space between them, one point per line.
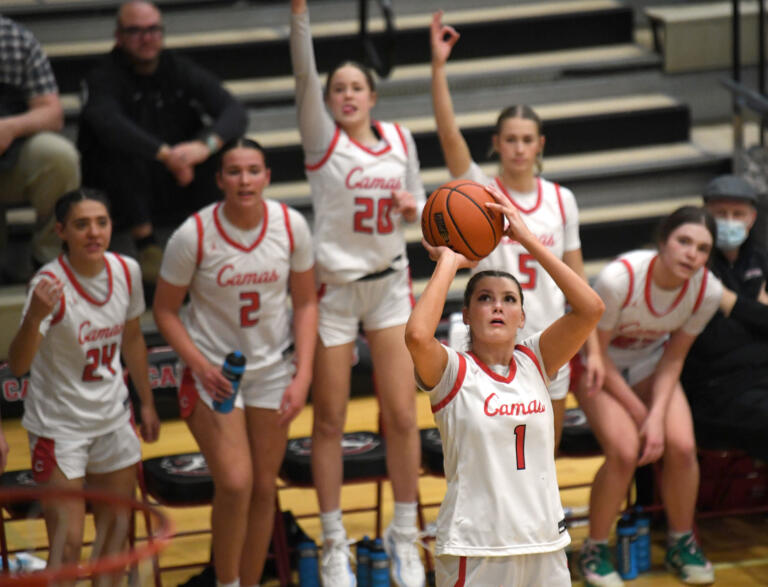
233 369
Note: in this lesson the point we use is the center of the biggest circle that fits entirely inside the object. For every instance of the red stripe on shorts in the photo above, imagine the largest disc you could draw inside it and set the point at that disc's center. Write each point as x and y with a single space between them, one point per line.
187 394
461 579
43 459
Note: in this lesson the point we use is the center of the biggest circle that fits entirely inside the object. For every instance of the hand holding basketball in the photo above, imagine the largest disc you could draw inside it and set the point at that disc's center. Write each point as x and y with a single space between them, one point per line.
456 216
516 227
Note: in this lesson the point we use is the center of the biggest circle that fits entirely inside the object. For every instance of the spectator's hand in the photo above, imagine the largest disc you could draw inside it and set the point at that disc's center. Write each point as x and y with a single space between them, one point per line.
6 136
442 39
294 399
150 423
3 452
191 152
182 171
405 205
44 298
651 440
214 383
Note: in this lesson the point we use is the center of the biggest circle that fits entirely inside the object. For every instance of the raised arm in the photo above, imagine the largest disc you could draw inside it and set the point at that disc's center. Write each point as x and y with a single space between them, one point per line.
315 124
455 149
429 356
564 337
24 345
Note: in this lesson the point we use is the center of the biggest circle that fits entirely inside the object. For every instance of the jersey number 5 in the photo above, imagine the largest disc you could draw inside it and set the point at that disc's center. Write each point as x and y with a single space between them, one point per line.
526 265
366 210
96 357
249 309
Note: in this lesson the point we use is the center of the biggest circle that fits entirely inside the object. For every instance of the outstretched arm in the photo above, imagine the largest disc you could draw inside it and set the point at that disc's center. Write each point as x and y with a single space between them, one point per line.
429 356
563 338
455 149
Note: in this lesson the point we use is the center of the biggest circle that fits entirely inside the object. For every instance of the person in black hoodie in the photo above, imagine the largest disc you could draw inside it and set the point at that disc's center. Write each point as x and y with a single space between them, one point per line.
726 371
150 122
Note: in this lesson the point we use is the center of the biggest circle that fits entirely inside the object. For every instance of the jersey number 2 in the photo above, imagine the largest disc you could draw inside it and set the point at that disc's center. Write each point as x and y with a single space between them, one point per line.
520 446
251 306
366 211
96 357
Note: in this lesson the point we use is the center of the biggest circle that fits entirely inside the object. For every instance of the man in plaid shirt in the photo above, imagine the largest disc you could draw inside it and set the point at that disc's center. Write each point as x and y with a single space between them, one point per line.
36 164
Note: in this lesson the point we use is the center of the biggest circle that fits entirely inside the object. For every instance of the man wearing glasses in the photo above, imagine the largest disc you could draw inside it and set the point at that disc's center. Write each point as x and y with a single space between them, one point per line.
150 123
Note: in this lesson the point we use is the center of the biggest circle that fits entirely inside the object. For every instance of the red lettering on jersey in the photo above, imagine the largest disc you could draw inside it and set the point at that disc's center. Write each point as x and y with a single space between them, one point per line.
227 277
13 392
492 407
86 334
357 180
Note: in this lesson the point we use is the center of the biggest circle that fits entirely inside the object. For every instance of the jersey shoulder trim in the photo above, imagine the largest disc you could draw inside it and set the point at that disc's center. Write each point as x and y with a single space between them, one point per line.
532 356
631 287
200 235
399 130
702 289
288 229
331 147
560 202
124 265
456 386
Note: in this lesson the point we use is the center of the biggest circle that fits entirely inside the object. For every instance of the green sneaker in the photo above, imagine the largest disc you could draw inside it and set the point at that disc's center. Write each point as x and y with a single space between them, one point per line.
686 560
596 566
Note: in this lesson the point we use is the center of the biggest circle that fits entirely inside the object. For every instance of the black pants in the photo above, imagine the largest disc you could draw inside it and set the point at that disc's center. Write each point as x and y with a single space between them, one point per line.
142 191
731 411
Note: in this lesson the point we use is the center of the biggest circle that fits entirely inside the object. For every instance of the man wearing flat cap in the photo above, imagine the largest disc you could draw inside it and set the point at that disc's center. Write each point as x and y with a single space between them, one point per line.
726 372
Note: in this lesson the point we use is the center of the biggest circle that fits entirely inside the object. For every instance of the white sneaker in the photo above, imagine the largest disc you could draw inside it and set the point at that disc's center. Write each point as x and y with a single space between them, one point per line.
406 568
335 570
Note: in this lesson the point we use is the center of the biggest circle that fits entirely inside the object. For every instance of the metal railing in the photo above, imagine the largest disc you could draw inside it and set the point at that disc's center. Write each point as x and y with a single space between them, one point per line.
745 98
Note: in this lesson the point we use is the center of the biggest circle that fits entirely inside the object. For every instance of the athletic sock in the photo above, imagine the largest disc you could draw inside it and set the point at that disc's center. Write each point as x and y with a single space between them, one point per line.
674 537
235 583
332 525
405 515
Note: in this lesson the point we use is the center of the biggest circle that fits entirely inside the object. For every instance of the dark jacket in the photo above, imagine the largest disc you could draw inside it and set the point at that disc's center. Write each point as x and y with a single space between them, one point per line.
135 114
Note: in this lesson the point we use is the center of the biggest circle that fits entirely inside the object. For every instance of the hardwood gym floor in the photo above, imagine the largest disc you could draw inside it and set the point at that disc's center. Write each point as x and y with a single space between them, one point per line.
738 546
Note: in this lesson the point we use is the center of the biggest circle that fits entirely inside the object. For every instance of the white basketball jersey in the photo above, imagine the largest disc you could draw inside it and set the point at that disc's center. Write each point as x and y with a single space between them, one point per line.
641 315
552 215
238 281
76 384
355 230
497 431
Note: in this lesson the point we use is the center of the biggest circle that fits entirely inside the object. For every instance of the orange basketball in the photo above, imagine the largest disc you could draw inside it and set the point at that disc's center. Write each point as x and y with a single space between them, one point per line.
455 215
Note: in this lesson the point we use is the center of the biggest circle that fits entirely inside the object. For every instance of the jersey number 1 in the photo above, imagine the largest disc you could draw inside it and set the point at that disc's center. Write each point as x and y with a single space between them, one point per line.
520 446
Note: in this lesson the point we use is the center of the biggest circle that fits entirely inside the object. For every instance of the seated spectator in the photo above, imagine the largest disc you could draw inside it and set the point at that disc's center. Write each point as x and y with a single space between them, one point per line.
726 372
36 165
143 130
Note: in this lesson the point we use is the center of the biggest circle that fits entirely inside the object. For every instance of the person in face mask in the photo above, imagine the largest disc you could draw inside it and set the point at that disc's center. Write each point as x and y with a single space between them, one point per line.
726 372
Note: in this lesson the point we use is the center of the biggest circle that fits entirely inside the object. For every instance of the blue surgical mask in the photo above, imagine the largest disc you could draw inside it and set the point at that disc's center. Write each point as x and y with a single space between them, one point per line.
730 233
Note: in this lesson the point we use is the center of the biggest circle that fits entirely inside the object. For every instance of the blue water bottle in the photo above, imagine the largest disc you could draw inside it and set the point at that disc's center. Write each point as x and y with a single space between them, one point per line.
364 562
643 542
233 369
309 576
626 545
379 565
